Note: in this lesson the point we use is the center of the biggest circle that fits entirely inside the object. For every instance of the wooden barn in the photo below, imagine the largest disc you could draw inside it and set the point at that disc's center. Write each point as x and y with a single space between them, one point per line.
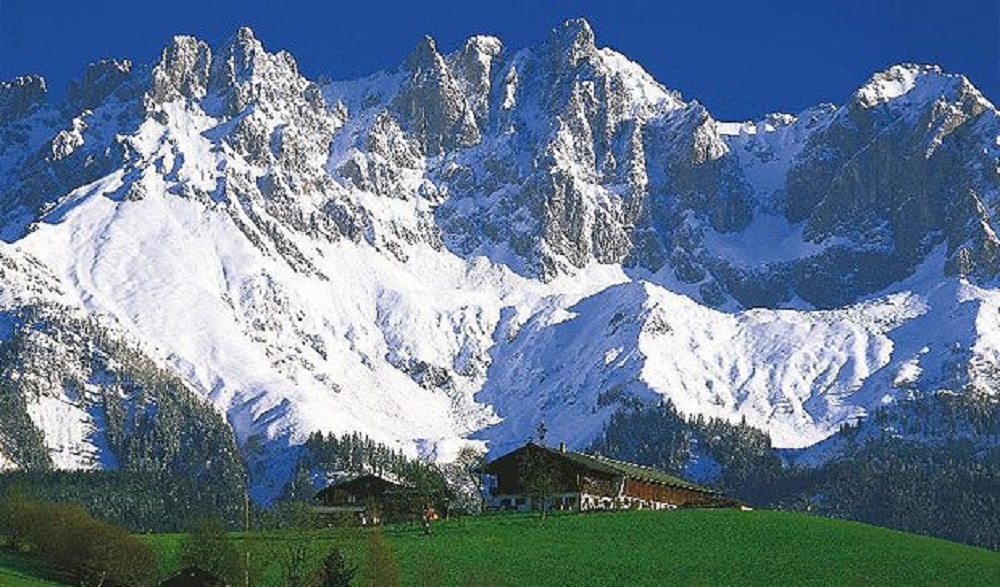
578 481
370 497
356 492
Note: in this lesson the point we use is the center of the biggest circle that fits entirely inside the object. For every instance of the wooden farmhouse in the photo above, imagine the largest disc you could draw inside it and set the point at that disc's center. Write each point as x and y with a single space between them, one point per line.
578 481
355 493
369 497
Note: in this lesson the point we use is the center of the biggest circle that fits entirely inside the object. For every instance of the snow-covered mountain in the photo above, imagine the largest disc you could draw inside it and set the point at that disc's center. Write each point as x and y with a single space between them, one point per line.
484 239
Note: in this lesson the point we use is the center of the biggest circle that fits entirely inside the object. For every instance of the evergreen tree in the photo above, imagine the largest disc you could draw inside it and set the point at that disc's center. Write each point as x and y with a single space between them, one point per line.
336 572
209 549
537 477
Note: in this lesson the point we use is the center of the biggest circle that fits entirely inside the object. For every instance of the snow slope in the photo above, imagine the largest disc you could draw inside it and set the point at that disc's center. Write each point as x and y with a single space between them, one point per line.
478 241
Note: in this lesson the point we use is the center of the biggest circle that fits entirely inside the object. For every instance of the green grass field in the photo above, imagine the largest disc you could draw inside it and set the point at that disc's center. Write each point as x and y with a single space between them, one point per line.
691 547
687 547
15 571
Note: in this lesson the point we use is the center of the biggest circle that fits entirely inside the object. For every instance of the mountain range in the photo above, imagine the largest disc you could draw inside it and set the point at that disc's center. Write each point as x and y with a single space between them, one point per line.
481 240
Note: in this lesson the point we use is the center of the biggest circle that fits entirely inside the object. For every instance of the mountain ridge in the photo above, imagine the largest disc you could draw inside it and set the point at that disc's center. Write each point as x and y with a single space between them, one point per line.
420 253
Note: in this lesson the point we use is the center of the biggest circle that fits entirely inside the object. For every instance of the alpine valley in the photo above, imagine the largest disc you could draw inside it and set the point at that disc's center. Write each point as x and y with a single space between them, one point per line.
214 255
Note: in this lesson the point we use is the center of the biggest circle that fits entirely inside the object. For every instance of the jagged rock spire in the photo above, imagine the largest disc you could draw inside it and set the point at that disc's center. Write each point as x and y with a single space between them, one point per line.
20 96
424 56
573 40
432 105
238 58
240 71
183 70
473 67
99 81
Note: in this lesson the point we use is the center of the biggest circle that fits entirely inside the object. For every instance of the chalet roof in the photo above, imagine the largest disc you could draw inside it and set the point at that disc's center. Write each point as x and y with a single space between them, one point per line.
364 484
642 473
617 468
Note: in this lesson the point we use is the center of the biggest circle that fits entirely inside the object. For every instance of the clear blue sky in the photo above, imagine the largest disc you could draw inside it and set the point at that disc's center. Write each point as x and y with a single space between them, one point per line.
740 58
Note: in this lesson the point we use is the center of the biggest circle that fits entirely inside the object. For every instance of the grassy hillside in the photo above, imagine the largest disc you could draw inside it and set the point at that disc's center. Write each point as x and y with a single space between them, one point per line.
694 547
16 571
690 547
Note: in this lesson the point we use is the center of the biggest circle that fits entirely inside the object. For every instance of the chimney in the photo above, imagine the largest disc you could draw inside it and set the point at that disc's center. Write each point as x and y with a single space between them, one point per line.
562 447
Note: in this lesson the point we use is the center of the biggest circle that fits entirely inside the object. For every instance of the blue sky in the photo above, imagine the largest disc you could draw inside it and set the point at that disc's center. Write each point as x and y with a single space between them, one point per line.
740 58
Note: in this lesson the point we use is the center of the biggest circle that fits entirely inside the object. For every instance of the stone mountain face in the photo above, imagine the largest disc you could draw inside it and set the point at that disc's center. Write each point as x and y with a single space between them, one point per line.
482 239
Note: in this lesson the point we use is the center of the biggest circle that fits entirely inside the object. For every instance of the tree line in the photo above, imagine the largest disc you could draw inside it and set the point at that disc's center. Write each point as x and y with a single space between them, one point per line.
327 458
168 456
927 465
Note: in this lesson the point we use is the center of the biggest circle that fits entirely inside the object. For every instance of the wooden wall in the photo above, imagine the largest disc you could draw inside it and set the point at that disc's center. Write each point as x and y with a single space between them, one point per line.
662 493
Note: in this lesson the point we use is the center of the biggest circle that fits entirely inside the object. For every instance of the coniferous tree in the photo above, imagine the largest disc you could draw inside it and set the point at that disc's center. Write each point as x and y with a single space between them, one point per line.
209 549
336 572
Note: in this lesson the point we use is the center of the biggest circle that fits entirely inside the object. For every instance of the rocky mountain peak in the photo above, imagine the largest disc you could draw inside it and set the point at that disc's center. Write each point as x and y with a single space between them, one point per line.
246 38
432 105
473 62
930 103
237 64
909 84
538 179
99 81
483 45
472 67
240 72
245 49
573 41
20 96
424 56
183 70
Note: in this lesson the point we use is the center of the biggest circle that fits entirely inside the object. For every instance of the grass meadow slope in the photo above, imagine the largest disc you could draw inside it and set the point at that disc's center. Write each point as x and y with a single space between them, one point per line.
687 547
16 571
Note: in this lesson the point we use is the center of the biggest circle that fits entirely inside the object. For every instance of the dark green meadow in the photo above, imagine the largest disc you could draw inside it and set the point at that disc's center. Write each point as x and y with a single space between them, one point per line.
16 571
691 547
685 547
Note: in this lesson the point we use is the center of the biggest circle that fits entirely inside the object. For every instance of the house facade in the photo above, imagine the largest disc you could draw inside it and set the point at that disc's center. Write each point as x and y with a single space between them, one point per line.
356 492
578 481
368 497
